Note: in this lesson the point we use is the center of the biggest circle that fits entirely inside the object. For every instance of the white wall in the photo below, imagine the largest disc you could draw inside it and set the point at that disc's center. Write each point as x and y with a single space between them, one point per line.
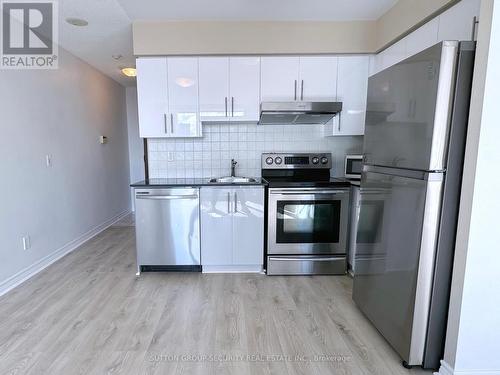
473 333
211 155
252 37
61 113
135 143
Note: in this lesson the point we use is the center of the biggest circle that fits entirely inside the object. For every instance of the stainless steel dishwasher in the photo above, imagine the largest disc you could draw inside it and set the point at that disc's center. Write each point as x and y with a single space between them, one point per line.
168 229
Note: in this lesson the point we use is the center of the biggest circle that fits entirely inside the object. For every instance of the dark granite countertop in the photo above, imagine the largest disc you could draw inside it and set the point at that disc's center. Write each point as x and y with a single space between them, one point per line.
181 182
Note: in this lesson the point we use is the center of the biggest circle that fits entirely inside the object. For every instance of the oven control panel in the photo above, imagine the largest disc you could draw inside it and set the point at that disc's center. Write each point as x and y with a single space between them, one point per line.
322 160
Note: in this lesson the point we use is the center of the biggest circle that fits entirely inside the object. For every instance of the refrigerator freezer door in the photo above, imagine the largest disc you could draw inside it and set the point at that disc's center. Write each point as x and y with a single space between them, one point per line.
409 108
395 248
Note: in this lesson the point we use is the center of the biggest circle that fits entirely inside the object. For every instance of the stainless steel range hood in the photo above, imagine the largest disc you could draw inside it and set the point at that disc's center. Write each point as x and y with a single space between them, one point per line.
284 113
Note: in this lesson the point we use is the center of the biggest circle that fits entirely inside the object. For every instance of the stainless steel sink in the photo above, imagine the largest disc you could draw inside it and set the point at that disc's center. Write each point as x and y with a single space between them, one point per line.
232 180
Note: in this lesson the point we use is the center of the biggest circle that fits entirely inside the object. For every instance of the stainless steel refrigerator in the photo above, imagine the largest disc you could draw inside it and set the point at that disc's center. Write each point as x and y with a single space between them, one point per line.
414 143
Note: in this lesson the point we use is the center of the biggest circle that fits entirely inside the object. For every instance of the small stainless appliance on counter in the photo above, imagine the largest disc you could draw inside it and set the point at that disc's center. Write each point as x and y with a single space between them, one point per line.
307 215
168 229
416 125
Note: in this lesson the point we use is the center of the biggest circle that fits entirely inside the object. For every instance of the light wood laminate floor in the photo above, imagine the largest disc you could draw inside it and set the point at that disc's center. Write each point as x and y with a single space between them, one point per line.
89 314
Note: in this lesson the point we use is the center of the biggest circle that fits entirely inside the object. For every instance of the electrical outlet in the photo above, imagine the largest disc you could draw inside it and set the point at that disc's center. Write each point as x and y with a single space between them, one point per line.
26 242
48 160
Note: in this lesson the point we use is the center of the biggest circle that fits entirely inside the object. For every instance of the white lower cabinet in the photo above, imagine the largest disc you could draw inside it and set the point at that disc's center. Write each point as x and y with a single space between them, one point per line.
232 228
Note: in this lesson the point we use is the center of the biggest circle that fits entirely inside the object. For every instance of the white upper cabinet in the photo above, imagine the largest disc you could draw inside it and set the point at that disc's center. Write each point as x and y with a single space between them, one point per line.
393 54
279 78
229 89
310 78
183 97
456 22
317 78
152 96
244 89
214 88
352 86
422 38
167 95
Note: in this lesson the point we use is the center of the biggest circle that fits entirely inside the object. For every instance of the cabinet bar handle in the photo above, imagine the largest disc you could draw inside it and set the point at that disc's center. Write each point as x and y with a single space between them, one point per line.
302 90
235 202
329 259
339 120
228 202
295 88
172 123
474 26
232 106
225 104
165 122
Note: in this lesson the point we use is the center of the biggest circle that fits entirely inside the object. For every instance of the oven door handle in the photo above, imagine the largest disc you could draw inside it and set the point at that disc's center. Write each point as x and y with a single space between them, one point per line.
307 192
329 259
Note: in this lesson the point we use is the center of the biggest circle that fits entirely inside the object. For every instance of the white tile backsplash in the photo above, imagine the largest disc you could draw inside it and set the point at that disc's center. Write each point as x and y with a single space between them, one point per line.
211 155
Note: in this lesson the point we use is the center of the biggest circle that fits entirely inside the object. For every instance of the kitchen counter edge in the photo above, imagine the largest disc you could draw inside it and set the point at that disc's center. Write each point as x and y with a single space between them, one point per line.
184 182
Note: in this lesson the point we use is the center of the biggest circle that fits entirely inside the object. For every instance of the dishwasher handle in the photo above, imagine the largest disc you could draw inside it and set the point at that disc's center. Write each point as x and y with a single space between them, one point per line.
167 197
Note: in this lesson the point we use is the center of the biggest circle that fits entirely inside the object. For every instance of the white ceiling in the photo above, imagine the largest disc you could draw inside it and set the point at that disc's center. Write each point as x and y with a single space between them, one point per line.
109 31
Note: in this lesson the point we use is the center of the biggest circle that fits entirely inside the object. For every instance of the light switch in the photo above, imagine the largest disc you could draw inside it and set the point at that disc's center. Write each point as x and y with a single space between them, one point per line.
48 160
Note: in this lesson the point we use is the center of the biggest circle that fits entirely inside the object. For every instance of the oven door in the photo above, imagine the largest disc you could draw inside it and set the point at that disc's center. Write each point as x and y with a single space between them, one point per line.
307 221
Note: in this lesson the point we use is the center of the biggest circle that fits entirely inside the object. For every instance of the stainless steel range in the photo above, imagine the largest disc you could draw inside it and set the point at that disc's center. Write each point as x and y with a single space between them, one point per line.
307 215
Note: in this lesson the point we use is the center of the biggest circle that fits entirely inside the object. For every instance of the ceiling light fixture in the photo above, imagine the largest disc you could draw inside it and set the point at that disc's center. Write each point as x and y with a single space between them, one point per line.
129 72
77 21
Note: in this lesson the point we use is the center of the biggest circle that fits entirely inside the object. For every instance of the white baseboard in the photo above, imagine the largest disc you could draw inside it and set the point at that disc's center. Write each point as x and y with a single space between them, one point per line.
446 369
257 268
28 272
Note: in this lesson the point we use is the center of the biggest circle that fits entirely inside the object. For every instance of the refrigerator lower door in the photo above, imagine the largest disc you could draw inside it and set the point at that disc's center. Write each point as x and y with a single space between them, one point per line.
396 242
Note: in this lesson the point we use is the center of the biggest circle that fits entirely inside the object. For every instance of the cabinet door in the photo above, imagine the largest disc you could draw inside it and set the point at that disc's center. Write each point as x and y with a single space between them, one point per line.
244 88
216 226
152 96
456 22
352 89
279 78
317 78
422 38
248 226
214 88
183 97
392 55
